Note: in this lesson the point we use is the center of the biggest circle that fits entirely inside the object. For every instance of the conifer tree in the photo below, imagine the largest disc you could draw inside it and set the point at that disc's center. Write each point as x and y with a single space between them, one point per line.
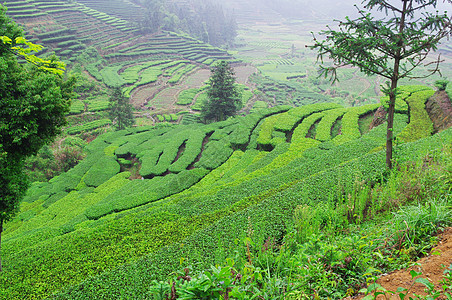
223 97
121 111
391 47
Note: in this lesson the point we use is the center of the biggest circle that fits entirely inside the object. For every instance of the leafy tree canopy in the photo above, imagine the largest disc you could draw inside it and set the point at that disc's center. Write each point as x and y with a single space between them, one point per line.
223 96
34 101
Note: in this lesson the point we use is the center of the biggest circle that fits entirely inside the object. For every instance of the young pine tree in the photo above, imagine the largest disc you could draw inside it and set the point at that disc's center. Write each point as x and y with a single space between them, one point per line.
391 47
223 97
121 111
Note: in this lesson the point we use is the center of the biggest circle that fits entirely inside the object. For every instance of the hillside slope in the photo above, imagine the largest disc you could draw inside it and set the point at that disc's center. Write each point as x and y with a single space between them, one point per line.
199 189
107 46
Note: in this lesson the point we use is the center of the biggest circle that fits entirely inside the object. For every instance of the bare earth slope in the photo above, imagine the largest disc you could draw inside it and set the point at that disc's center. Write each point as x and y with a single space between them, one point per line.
431 267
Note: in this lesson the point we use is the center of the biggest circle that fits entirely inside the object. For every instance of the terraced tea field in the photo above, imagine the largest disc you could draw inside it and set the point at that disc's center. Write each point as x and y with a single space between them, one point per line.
278 49
102 36
148 196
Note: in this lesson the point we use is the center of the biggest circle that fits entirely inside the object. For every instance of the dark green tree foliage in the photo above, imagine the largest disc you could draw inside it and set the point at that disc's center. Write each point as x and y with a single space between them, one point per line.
121 111
223 96
33 105
391 47
204 20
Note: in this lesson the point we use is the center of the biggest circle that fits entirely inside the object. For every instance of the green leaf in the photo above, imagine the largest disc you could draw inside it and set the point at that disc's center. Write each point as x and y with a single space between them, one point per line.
425 282
5 39
414 273
21 40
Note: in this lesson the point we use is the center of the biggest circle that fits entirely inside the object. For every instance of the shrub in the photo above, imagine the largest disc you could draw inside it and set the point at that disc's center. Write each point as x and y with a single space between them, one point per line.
441 84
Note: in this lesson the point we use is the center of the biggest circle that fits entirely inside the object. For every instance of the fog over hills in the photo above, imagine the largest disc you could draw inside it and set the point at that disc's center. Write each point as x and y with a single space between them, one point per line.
273 10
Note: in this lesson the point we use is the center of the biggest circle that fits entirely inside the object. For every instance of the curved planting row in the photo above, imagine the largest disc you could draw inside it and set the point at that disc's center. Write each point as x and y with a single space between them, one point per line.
198 214
82 26
420 123
350 126
403 93
286 122
118 230
171 44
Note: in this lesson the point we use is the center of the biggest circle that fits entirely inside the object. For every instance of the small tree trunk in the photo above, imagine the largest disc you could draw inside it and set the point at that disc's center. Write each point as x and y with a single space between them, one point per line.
389 132
393 92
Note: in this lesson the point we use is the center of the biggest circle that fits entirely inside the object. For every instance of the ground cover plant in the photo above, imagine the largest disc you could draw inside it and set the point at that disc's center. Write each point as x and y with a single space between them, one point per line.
193 192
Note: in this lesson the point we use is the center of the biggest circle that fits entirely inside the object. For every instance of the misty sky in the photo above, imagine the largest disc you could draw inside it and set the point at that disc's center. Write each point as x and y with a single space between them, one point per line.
316 8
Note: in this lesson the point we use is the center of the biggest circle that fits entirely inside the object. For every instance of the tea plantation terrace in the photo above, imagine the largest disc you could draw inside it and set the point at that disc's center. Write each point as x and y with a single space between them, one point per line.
146 197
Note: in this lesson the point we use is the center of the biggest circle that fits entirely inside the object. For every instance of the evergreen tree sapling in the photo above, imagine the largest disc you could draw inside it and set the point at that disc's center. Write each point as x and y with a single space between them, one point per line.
34 99
223 96
391 47
121 111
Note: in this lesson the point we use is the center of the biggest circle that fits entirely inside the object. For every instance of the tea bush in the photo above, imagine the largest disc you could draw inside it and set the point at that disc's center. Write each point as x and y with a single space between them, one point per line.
420 125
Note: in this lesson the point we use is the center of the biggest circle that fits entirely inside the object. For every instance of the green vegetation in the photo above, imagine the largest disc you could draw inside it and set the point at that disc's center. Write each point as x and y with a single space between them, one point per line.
223 96
237 205
207 192
34 101
120 110
392 47
186 96
88 126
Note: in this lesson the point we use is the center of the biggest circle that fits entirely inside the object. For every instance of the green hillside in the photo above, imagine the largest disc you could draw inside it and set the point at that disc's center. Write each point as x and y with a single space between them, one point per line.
146 198
103 42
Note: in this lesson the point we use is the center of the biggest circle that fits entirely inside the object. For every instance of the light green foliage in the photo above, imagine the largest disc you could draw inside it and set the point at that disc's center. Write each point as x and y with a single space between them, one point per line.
265 134
77 107
149 72
186 96
53 65
111 77
158 159
441 85
177 76
404 92
259 105
201 206
97 105
246 93
323 132
88 126
420 125
101 171
201 100
285 122
350 127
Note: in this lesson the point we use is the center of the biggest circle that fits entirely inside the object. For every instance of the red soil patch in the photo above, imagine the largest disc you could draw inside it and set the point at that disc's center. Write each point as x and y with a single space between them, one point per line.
439 109
142 95
431 267
197 79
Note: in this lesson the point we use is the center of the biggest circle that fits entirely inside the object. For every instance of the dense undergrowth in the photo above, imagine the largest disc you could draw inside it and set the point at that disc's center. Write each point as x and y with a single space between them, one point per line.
253 189
335 249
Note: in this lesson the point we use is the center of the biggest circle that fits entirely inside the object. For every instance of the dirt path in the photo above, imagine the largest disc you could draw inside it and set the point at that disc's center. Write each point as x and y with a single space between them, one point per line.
431 268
